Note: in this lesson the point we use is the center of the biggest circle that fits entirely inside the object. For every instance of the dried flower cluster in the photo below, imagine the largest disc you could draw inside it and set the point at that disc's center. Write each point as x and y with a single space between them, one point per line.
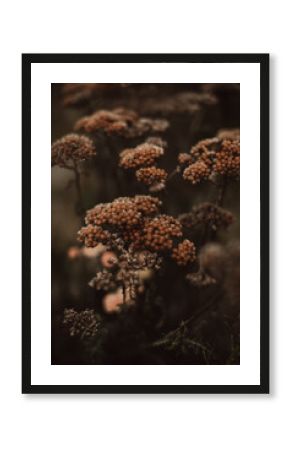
184 253
227 161
151 175
159 233
207 214
130 270
104 281
124 218
146 204
142 155
92 235
140 158
197 172
211 158
84 324
123 212
72 147
138 224
120 122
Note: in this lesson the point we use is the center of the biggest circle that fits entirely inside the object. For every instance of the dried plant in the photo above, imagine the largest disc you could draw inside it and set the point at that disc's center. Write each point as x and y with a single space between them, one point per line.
143 155
158 253
68 152
71 149
136 222
84 324
184 253
153 177
121 122
207 214
212 158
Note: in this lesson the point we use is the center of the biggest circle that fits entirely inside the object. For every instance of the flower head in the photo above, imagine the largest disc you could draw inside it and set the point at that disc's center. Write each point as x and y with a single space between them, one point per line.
92 235
72 147
121 218
196 172
159 232
146 204
184 253
207 214
120 122
151 175
140 156
84 324
211 158
121 212
227 161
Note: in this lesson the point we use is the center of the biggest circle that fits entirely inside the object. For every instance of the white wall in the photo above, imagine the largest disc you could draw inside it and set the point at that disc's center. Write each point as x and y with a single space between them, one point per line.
74 422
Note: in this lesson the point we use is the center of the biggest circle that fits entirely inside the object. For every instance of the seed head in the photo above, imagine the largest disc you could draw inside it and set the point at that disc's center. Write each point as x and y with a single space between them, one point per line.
72 147
210 158
146 204
121 212
184 253
92 235
227 160
120 122
151 175
84 324
196 172
140 156
104 281
159 232
121 219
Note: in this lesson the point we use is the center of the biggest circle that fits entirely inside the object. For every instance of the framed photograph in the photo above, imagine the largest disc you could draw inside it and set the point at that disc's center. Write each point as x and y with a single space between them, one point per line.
145 229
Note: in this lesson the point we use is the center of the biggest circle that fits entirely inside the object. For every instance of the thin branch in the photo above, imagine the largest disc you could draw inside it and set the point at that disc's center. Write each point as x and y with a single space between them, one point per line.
80 205
183 324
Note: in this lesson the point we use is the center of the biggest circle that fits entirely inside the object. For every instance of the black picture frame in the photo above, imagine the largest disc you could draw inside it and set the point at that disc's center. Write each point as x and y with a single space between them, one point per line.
27 60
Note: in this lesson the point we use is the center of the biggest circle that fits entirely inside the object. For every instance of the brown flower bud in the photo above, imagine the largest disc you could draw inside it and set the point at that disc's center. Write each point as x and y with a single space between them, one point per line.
184 253
71 147
142 155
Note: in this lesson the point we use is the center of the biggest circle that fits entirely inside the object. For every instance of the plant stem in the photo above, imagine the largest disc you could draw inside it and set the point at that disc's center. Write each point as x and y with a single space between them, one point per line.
184 323
221 192
172 174
80 205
